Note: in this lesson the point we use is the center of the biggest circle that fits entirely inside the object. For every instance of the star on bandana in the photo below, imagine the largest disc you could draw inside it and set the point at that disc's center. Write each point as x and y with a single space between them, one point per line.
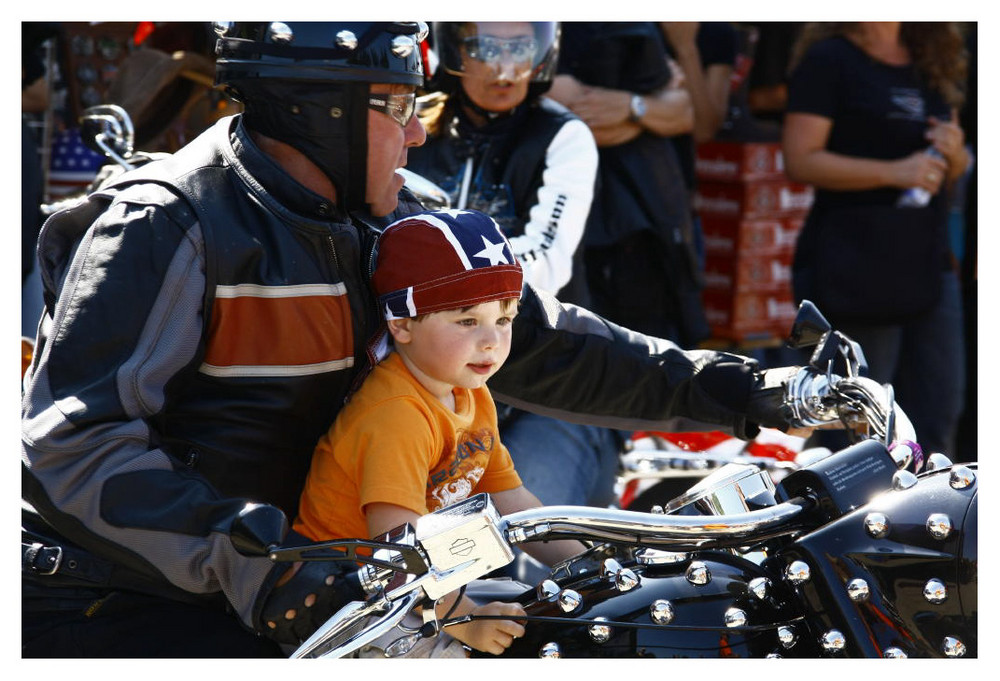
452 212
493 252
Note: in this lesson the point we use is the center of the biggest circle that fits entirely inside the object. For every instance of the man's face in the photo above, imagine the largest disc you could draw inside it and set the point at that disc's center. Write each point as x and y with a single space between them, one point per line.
497 64
387 145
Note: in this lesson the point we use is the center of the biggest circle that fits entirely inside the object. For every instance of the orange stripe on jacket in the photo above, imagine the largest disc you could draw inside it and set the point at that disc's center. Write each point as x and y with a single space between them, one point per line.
279 330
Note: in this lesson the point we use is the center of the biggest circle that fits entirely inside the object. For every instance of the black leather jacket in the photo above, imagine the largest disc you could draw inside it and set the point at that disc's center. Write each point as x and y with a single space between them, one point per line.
205 319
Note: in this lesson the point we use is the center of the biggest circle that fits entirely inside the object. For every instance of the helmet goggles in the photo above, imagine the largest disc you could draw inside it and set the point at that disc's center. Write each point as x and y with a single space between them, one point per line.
399 106
490 49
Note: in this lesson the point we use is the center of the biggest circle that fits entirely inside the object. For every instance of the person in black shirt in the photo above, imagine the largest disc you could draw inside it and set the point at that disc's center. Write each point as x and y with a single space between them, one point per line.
640 257
866 103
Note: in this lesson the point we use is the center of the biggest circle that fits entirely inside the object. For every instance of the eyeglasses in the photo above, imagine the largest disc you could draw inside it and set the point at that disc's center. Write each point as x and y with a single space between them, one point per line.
488 49
400 107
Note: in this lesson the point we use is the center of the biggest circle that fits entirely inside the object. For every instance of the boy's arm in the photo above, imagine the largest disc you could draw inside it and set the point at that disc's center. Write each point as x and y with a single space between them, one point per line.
549 552
382 517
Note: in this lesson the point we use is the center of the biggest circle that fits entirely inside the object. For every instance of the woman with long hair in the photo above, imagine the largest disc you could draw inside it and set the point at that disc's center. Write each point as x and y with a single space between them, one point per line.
872 123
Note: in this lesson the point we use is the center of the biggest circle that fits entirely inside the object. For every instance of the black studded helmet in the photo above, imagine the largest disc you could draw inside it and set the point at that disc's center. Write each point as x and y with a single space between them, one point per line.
307 84
536 54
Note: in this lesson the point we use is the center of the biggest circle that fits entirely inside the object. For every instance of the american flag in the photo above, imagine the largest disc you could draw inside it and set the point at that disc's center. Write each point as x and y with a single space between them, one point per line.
444 259
73 165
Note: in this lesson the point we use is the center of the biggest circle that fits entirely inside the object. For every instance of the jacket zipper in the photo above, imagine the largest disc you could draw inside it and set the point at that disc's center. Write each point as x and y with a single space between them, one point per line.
333 253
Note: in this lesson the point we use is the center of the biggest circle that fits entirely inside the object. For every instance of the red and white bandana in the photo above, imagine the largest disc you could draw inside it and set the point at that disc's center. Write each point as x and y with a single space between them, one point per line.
442 260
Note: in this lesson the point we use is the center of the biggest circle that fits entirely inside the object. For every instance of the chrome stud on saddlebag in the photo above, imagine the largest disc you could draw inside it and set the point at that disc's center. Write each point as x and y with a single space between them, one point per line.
735 617
661 611
623 578
797 572
548 590
939 525
550 650
626 580
569 600
346 40
833 641
599 633
894 654
787 637
403 46
935 591
952 647
698 573
903 480
936 462
857 590
877 525
961 477
279 32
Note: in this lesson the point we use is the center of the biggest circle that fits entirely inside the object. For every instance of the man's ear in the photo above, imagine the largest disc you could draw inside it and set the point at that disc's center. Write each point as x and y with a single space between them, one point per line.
400 329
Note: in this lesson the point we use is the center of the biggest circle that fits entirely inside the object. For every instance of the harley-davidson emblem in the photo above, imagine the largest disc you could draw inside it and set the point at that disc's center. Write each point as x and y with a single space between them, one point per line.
462 547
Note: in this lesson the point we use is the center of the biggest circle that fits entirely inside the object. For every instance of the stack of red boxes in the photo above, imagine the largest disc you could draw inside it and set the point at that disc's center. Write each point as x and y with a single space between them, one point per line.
751 214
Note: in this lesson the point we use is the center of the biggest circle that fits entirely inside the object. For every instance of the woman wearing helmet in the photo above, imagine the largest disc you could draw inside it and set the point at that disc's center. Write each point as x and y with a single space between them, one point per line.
497 145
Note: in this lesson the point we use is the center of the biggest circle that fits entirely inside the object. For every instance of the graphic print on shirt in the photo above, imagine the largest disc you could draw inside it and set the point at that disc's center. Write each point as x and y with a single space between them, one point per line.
908 104
457 476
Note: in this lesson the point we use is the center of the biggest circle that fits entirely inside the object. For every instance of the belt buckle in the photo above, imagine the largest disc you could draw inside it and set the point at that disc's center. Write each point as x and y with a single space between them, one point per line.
56 563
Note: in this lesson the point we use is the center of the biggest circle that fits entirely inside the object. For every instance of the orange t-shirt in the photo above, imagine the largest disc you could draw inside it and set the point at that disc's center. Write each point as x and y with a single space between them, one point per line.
394 442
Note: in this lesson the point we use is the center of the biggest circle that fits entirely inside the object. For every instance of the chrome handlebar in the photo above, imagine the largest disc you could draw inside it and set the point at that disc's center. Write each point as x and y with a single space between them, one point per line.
649 529
816 399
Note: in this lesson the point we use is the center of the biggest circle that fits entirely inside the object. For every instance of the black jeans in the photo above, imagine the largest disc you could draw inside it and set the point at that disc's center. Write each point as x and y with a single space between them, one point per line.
102 623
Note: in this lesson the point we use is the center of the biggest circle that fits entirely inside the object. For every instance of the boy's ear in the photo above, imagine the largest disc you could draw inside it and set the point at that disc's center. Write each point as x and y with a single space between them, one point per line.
400 329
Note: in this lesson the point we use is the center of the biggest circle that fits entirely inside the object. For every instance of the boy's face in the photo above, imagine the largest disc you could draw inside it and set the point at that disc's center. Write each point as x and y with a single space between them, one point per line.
456 348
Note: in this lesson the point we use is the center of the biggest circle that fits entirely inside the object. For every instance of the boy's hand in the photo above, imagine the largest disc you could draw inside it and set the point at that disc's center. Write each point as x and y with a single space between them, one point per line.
490 636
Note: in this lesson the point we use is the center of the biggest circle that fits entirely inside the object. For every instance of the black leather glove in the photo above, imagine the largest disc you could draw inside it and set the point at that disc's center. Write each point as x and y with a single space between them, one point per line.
750 396
285 616
766 406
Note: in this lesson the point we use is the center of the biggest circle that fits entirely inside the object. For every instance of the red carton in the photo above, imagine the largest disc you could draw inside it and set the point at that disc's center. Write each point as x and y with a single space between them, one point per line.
749 316
739 161
749 272
729 236
763 198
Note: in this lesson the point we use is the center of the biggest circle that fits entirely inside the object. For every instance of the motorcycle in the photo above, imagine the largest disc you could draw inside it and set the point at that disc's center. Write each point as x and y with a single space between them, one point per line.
868 552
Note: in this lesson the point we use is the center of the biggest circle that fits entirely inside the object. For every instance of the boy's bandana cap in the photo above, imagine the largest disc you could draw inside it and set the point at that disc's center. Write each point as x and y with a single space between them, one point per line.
443 260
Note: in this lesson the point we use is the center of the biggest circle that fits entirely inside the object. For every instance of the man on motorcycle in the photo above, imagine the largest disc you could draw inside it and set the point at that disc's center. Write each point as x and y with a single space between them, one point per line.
206 315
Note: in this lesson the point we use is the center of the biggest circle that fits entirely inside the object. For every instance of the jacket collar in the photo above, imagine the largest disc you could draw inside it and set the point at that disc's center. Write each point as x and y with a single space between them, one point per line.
278 183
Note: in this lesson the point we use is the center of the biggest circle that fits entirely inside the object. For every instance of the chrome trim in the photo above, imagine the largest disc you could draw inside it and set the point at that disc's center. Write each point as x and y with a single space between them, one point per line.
647 528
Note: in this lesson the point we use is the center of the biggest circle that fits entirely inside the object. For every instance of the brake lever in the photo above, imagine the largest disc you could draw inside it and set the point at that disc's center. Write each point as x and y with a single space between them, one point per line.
391 607
413 561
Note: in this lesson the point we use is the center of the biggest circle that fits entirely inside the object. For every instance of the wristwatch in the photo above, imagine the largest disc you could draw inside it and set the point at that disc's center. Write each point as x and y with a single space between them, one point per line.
636 108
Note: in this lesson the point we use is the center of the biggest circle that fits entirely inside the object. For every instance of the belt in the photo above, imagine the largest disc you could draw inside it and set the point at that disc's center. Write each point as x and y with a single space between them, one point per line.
47 559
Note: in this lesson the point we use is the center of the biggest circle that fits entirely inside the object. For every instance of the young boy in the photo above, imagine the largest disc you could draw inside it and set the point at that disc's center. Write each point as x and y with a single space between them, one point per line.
421 432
